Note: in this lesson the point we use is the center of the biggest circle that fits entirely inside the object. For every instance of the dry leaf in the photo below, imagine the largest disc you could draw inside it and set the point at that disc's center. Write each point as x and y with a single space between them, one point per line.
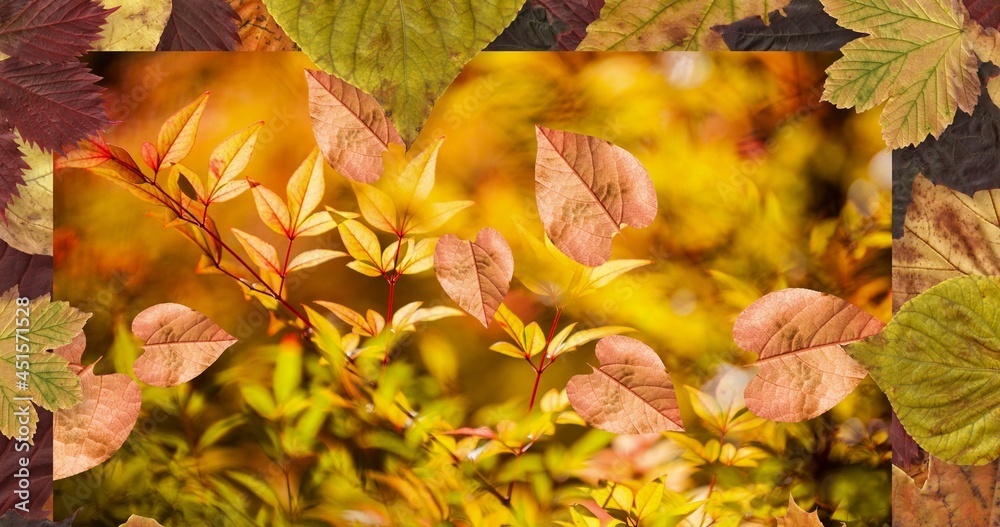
952 496
180 344
587 190
476 275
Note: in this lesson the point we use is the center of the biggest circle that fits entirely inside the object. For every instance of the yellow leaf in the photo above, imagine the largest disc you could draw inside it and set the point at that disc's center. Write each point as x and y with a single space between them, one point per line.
177 135
434 216
419 257
316 224
305 189
29 216
135 26
230 158
312 258
377 207
415 182
361 242
508 349
271 209
262 253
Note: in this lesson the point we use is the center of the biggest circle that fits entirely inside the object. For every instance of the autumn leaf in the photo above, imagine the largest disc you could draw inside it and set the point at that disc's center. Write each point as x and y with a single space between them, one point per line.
32 273
351 129
363 246
986 12
180 343
200 25
231 156
91 432
271 209
390 50
576 14
12 167
28 226
257 29
952 496
668 25
946 234
49 30
477 274
312 258
51 105
53 324
937 362
304 191
140 521
918 59
532 30
796 517
136 25
801 26
588 189
629 393
798 335
263 254
177 134
39 458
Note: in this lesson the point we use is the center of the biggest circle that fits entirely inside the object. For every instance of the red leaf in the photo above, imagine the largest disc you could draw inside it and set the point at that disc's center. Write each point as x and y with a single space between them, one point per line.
51 105
799 336
31 273
50 30
476 275
577 14
200 25
630 393
587 189
905 450
12 166
986 12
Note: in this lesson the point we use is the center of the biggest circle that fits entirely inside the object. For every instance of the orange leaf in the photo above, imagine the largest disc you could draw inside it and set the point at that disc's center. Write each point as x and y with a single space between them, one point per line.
231 156
361 242
350 127
177 134
312 258
952 496
271 209
316 224
89 153
476 275
91 432
180 344
799 336
797 517
262 253
377 208
630 393
587 189
305 190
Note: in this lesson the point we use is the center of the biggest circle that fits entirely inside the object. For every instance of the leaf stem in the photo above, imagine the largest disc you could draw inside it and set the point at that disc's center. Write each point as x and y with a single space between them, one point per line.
180 210
391 278
284 267
541 364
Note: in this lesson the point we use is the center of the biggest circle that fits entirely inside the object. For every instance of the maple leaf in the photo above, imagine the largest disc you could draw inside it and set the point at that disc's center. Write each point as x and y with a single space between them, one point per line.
200 25
801 26
52 105
952 496
50 30
919 58
576 14
12 167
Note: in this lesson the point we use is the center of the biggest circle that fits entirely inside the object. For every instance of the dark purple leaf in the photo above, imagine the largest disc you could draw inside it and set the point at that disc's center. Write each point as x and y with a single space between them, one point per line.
966 157
577 14
51 105
532 30
986 12
50 30
32 273
39 458
200 25
905 451
12 166
804 26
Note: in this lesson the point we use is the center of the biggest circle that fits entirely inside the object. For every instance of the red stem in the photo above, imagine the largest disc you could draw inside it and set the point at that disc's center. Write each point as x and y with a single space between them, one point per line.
392 296
284 267
541 364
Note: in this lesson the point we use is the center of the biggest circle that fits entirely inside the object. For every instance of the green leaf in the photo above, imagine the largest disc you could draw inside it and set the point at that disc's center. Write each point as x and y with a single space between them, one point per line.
287 371
664 25
918 59
52 324
403 53
937 361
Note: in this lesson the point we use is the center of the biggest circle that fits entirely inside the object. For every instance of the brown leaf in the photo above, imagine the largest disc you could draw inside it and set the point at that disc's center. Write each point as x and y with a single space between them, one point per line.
73 352
258 31
946 234
180 344
797 517
91 432
952 496
351 129
799 335
140 521
587 190
630 393
476 275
